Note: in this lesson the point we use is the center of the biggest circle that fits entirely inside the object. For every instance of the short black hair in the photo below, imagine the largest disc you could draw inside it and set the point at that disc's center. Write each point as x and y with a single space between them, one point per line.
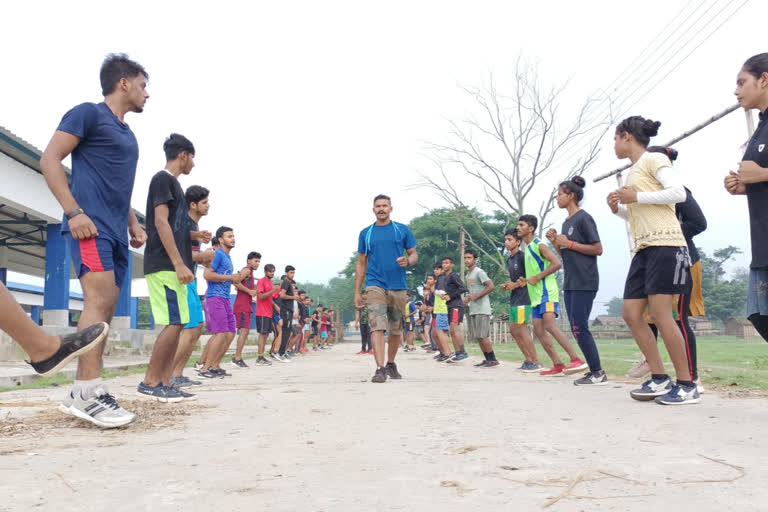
223 229
176 144
115 67
472 252
513 234
195 194
437 265
432 276
288 268
302 292
531 220
253 254
382 196
269 267
447 258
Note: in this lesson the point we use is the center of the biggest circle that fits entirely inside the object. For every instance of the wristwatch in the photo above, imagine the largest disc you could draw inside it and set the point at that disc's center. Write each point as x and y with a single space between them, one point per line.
74 213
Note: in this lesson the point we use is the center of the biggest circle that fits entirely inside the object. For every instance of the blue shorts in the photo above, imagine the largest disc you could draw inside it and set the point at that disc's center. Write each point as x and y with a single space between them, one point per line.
99 254
323 334
195 307
537 312
441 321
276 319
757 293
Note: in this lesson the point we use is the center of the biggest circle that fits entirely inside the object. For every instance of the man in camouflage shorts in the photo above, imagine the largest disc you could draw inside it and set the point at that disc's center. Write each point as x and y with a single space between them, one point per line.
381 247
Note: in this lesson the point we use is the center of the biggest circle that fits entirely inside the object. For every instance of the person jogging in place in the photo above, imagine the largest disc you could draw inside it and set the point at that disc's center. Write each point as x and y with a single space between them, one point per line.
579 246
660 266
381 263
479 285
243 308
361 322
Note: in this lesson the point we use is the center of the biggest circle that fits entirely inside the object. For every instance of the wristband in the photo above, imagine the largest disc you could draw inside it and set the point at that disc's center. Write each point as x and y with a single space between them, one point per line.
74 213
570 246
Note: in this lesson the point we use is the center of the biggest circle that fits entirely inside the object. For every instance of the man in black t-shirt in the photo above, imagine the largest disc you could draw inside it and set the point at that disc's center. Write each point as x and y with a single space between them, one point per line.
167 266
519 302
285 302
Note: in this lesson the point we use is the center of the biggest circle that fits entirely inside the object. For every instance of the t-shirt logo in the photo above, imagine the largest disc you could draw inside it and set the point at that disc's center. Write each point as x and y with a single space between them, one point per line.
761 147
570 231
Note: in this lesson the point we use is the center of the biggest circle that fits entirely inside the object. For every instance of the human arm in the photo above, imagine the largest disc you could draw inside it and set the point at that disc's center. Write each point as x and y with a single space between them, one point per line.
59 147
357 318
586 230
165 233
750 172
672 192
410 260
211 275
204 257
360 269
201 236
262 295
734 185
241 287
692 220
138 235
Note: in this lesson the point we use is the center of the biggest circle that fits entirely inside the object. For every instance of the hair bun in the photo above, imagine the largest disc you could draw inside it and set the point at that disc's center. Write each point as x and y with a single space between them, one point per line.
578 180
651 128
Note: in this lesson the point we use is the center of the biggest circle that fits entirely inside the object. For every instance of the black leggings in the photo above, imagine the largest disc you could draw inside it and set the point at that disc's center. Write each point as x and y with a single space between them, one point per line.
683 310
287 316
761 324
365 333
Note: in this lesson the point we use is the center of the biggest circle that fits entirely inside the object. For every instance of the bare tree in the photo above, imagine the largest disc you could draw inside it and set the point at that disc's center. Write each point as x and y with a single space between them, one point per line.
512 144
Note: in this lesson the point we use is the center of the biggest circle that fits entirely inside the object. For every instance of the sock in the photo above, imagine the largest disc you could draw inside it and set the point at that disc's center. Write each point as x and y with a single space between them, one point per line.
87 388
659 376
486 354
491 356
686 383
461 349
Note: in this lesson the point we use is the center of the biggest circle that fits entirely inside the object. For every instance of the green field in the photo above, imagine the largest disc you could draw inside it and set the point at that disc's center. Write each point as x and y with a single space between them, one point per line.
724 361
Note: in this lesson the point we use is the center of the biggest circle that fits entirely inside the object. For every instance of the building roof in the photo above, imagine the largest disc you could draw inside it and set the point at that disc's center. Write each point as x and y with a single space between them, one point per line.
37 290
739 320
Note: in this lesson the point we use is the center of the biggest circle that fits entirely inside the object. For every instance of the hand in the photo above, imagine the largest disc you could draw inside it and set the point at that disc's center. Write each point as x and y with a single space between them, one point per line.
138 235
521 282
236 277
551 234
245 274
627 195
82 227
357 326
208 256
561 241
402 261
467 299
534 279
613 201
734 185
358 301
253 293
184 275
750 172
201 236
446 297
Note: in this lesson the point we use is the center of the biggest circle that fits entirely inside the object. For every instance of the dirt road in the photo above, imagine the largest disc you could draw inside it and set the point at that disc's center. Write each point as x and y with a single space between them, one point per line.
316 435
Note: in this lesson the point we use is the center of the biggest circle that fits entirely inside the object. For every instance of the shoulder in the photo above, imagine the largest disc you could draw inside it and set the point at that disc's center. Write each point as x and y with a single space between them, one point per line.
160 178
84 109
652 162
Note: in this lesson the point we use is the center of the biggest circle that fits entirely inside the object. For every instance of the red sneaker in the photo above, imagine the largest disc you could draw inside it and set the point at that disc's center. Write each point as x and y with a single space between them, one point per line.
370 351
576 366
555 371
361 352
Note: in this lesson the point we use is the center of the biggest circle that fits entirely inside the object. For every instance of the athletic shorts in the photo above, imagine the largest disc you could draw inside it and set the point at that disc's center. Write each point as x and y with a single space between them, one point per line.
243 319
757 292
456 315
520 315
385 309
295 330
479 326
220 315
305 328
658 271
263 325
195 307
99 254
276 319
408 327
537 312
441 321
697 297
324 335
168 298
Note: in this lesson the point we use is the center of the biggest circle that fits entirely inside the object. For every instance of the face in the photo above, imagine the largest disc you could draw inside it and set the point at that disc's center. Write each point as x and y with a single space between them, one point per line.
365 295
750 90
254 263
187 162
469 260
430 281
438 271
563 197
302 297
201 207
227 240
135 91
382 209
524 229
290 274
269 274
447 266
511 243
621 144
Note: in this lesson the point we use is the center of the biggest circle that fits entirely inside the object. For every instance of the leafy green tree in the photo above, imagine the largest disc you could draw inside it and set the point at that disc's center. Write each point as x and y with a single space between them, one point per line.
615 306
723 298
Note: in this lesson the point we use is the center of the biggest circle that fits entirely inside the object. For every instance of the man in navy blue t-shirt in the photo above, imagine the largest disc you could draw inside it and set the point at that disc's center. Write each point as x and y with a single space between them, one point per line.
380 259
97 215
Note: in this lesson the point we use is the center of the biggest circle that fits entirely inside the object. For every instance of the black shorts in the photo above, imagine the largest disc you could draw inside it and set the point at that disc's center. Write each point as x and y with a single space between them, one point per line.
455 315
658 271
263 324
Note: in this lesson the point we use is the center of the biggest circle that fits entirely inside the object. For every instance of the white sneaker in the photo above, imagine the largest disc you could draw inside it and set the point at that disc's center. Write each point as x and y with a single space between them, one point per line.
699 386
102 410
66 404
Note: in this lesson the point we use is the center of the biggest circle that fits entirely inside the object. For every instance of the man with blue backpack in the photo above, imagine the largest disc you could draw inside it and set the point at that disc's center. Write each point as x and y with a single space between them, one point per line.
385 249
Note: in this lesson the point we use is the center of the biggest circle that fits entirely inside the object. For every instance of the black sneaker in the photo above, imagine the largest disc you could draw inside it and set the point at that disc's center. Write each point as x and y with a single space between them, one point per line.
484 363
72 346
262 361
190 381
239 363
380 375
208 374
392 372
221 372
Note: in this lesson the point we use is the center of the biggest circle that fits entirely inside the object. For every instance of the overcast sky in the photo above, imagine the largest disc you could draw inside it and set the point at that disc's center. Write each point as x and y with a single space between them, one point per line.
301 112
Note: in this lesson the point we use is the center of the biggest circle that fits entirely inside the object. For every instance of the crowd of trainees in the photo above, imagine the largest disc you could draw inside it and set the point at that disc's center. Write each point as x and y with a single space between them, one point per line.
662 289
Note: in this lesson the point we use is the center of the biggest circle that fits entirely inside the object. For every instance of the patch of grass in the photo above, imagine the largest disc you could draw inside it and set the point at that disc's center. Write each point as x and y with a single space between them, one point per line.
722 360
